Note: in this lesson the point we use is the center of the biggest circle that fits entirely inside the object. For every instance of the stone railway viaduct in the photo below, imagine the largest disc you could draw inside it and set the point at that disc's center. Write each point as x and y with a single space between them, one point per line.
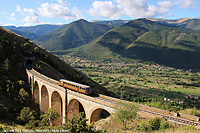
48 94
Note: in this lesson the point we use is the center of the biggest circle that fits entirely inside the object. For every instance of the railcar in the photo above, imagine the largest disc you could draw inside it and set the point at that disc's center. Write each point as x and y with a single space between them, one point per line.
84 89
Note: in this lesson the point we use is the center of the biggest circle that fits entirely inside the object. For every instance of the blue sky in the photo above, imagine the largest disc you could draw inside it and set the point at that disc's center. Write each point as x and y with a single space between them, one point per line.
34 12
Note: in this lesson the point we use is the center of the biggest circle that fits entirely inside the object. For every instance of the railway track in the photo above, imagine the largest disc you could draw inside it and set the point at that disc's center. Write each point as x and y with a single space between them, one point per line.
177 120
173 119
107 100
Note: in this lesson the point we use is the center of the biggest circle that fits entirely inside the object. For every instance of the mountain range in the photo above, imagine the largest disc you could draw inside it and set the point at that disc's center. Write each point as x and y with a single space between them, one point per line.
148 41
193 23
170 42
33 32
72 35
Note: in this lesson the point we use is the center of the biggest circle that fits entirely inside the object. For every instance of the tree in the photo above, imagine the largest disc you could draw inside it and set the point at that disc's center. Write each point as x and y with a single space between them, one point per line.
7 65
26 115
49 116
154 124
164 125
23 94
78 124
142 126
126 112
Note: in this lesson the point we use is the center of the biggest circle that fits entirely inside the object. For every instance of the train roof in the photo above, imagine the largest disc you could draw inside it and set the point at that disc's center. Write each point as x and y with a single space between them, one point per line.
64 80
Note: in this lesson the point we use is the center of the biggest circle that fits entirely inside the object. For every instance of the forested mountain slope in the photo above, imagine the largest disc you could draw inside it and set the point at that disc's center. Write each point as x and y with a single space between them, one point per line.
149 41
72 35
14 88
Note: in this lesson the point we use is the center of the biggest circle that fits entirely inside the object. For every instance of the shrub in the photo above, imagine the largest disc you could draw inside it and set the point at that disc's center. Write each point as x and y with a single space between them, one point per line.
164 125
143 126
155 123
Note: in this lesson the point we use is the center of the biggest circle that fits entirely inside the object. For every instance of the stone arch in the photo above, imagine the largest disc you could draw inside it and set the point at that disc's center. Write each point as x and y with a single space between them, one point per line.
74 107
36 93
56 103
98 114
44 99
30 81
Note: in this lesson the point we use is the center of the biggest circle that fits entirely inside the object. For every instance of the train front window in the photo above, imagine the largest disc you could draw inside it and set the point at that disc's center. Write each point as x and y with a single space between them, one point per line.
88 89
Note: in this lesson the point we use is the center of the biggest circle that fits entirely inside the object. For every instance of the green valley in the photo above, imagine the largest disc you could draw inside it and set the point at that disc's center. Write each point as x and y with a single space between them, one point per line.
143 82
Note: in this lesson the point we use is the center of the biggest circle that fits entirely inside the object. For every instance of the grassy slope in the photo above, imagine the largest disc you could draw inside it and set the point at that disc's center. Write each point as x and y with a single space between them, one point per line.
149 41
175 47
73 35
191 24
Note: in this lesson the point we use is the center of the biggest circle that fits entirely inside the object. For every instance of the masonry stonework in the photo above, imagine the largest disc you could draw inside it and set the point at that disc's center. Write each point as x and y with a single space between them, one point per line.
48 94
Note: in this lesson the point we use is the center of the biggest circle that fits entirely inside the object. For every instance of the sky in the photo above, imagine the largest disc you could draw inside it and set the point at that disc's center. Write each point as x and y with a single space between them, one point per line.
35 12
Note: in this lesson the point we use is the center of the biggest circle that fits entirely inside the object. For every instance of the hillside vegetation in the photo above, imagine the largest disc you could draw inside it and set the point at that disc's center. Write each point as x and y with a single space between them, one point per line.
72 35
190 23
111 23
147 41
14 88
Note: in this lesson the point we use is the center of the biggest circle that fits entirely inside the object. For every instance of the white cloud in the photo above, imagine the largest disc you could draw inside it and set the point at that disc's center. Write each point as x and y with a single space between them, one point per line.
186 4
31 11
50 11
18 9
164 8
132 8
12 14
8 25
58 11
12 17
166 4
26 24
1 24
31 19
63 2
106 9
